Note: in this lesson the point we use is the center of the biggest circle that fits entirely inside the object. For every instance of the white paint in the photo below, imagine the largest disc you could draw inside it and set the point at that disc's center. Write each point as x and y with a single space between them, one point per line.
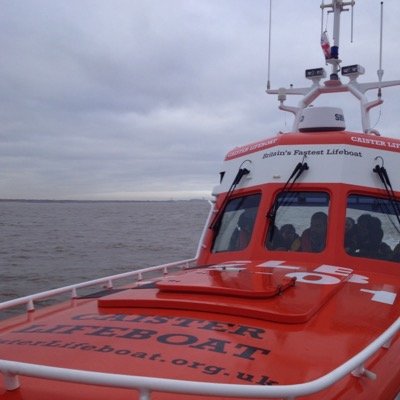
314 278
334 270
381 296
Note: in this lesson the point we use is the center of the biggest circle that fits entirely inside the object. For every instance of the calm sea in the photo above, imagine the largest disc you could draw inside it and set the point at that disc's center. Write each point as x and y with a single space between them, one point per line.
45 245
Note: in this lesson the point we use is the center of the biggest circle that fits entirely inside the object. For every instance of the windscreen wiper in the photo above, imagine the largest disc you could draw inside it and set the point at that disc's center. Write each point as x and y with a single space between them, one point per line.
240 174
298 170
384 177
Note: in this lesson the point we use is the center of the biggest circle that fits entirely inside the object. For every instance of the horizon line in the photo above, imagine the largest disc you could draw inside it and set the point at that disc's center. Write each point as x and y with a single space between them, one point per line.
100 200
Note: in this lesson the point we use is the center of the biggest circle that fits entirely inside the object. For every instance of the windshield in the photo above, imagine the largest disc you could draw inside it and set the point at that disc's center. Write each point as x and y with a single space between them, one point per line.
372 229
237 222
300 223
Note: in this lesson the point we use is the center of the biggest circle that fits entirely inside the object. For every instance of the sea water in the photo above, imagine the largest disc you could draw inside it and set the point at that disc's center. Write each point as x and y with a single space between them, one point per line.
45 245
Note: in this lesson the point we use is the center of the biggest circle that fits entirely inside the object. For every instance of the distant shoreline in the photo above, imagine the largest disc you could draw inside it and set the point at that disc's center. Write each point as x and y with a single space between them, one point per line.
95 201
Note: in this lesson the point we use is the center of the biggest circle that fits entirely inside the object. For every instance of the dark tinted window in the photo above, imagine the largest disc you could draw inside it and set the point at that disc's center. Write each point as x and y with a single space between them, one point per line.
235 227
300 222
372 228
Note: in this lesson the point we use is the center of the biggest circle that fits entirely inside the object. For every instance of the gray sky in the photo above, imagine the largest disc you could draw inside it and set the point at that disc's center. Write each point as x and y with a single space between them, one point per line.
141 99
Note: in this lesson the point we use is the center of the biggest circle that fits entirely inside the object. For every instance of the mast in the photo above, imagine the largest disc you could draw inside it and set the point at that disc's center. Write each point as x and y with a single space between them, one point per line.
337 7
334 84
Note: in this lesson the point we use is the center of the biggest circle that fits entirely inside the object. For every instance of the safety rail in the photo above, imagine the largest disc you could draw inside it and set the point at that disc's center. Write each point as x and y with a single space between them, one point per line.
108 280
146 385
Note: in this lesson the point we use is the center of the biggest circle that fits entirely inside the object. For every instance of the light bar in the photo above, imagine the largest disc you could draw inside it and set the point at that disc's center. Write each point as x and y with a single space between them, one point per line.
315 73
352 70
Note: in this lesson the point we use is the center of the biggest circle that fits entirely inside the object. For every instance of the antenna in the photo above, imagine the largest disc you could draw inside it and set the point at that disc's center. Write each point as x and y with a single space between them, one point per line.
352 22
380 70
269 45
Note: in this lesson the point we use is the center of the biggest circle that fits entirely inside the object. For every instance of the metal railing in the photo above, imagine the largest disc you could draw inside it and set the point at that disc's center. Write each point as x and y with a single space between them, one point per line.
107 282
146 385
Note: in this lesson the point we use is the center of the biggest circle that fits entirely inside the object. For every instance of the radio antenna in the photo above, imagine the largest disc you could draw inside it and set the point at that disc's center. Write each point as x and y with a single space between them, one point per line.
269 45
380 70
322 16
352 22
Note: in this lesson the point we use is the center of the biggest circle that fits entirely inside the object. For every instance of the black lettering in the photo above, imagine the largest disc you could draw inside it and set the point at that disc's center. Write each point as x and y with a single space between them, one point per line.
69 345
108 331
54 343
65 345
156 356
196 365
177 339
71 329
57 328
105 349
139 318
212 370
186 322
13 341
255 333
157 320
83 317
216 345
264 380
139 354
114 317
62 329
38 343
249 351
88 347
339 117
122 352
74 346
245 376
37 328
139 334
217 326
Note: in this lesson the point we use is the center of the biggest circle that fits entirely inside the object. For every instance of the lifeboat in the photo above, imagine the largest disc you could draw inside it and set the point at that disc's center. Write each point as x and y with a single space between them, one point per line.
293 293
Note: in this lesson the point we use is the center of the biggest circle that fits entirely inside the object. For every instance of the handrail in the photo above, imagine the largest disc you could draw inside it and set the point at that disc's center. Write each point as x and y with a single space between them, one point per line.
145 385
29 300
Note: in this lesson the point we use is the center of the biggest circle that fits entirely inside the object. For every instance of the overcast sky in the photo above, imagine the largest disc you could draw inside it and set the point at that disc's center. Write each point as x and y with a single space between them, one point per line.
141 99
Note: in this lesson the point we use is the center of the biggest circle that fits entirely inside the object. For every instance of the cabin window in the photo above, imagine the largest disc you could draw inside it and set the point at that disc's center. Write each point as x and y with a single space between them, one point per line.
372 228
298 222
235 226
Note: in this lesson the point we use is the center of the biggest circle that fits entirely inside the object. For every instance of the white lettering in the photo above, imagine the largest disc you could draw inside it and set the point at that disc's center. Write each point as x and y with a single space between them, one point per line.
368 141
381 296
320 277
334 270
362 279
314 278
277 264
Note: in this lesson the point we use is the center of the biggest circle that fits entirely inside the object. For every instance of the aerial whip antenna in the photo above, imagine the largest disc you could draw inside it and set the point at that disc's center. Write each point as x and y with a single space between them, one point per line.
352 22
322 16
269 45
380 70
